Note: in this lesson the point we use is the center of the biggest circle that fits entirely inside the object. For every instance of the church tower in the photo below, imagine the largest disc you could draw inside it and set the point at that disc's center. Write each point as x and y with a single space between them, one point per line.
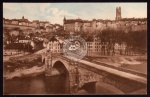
118 13
64 23
64 19
23 17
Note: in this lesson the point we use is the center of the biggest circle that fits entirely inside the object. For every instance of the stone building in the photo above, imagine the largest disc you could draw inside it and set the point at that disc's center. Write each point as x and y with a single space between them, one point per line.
72 25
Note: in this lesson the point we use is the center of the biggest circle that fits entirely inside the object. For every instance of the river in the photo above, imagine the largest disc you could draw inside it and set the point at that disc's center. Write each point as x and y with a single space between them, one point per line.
37 85
50 85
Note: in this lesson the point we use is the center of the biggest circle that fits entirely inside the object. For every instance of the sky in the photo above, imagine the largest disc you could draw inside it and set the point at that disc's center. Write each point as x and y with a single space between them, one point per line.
55 12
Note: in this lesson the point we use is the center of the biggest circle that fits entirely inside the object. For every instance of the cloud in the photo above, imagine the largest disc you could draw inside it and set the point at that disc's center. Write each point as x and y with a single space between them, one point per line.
10 6
56 15
36 11
58 12
56 19
43 7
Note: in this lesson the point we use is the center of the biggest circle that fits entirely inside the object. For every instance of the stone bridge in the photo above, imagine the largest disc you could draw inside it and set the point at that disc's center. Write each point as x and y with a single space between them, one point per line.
83 72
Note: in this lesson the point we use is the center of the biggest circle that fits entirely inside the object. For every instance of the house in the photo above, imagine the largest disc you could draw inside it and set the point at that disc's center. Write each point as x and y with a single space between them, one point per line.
96 47
120 46
72 25
53 44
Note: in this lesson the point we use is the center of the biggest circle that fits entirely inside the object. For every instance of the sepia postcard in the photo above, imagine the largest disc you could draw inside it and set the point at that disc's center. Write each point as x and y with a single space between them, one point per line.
74 48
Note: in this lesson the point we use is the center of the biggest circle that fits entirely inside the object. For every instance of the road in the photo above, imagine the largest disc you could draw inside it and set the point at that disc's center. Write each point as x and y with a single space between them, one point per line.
140 67
134 65
116 72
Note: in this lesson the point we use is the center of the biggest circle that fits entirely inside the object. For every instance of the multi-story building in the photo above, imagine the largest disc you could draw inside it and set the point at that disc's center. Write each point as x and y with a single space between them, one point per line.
96 47
72 25
53 45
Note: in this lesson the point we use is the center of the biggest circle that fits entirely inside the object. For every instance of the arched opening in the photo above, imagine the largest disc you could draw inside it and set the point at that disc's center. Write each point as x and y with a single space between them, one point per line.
89 87
58 65
43 60
58 84
99 88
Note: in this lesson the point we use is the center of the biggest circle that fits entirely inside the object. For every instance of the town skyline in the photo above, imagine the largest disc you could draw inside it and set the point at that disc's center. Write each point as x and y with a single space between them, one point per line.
54 13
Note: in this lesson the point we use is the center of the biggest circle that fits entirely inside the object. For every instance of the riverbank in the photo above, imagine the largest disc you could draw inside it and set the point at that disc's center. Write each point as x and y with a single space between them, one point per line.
35 70
22 61
28 65
22 65
6 58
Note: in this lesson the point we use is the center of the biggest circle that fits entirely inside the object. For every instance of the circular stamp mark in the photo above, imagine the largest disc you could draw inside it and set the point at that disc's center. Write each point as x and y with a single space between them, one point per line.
74 48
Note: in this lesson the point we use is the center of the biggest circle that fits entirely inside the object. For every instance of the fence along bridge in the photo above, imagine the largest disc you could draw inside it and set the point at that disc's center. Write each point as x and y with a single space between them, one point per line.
83 72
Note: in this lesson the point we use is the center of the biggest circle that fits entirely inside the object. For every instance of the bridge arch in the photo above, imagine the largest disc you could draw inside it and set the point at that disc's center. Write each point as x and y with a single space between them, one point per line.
43 60
58 65
99 87
62 62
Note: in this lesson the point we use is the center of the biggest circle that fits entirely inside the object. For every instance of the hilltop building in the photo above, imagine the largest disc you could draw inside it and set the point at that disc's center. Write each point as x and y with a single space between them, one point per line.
118 13
27 27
